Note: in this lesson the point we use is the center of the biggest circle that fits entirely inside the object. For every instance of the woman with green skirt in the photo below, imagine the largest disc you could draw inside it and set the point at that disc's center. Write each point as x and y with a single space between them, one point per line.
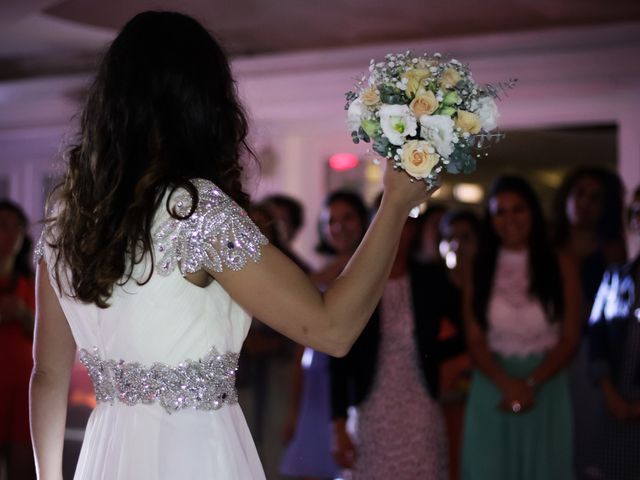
521 317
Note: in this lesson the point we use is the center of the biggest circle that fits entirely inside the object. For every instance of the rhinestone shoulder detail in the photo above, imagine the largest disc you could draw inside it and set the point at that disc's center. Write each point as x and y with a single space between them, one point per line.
204 384
38 251
218 235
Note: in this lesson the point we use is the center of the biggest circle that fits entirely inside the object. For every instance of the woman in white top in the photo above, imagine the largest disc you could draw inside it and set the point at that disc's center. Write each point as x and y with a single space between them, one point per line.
521 317
150 267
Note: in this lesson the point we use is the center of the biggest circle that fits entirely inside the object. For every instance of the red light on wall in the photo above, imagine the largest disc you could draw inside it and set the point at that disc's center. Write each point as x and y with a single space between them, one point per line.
343 161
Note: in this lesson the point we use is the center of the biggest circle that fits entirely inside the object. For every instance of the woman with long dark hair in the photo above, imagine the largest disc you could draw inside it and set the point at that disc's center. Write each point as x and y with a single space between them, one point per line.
614 364
521 317
589 224
17 304
151 268
589 228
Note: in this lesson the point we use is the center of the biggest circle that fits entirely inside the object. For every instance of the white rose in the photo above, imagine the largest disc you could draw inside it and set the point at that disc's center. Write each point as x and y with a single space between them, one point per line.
397 122
418 158
488 113
354 115
438 130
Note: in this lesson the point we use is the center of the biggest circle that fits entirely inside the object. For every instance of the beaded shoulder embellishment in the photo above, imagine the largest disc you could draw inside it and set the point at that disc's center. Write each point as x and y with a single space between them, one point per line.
218 235
205 384
38 251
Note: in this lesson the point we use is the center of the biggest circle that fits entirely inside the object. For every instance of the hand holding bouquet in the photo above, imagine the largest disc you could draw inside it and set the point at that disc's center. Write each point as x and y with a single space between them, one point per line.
424 114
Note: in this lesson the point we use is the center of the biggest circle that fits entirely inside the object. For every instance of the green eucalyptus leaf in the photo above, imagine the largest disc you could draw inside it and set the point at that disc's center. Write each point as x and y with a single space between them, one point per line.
363 135
381 146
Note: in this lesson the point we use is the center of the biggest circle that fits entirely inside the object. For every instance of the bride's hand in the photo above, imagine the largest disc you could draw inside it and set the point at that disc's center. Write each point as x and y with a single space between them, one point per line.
402 191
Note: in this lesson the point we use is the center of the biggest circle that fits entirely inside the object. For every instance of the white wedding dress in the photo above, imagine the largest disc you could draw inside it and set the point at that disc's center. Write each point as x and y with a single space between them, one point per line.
160 415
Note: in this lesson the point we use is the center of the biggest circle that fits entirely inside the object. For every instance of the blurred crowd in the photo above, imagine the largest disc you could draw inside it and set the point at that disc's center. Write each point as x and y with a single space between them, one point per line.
506 344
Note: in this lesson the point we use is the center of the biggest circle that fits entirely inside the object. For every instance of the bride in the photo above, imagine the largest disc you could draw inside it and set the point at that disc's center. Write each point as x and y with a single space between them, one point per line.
151 269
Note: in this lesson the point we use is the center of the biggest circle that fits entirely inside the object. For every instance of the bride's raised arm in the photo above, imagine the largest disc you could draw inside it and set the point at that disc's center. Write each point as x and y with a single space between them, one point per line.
277 292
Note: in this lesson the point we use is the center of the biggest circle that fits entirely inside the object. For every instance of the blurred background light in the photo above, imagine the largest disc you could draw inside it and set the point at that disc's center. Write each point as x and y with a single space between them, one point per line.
343 161
468 192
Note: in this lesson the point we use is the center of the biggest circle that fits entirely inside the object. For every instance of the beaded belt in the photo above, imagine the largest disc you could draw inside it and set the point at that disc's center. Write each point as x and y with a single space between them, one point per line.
205 384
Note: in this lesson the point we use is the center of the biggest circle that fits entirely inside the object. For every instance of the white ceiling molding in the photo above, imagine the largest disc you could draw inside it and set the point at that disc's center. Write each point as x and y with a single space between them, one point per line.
567 65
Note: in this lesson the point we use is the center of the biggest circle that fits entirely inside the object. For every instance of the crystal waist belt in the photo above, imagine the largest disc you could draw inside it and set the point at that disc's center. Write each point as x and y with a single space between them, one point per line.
205 384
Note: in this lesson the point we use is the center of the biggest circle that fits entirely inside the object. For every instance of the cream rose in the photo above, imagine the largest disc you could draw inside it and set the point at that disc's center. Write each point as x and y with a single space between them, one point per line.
469 122
370 96
424 103
418 158
414 79
450 78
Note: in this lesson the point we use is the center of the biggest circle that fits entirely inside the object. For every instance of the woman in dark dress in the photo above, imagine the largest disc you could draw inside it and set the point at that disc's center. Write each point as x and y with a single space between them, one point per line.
589 228
614 355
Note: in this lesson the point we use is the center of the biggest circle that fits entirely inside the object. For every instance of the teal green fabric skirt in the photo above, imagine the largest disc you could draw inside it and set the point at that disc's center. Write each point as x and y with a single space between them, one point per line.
534 445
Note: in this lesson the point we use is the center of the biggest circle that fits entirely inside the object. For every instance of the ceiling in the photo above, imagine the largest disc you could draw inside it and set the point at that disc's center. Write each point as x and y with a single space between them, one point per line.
49 37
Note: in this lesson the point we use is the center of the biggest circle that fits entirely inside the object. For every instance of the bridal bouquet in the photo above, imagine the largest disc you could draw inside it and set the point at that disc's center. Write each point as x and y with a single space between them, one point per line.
424 113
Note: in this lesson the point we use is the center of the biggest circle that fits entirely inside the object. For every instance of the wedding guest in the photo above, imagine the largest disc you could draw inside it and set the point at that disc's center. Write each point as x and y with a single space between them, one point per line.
522 327
17 304
614 354
428 234
341 227
589 227
458 246
289 215
391 377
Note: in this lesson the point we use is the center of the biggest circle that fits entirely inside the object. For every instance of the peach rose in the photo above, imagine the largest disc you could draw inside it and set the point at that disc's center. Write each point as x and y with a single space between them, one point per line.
415 78
418 158
450 78
469 122
424 103
370 96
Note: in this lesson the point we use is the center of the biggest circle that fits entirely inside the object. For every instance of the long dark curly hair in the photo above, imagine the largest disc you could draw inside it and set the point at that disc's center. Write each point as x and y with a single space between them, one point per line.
163 109
545 279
